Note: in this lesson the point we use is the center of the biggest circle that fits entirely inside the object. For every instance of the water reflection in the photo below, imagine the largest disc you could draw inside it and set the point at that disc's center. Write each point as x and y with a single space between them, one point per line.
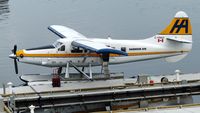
4 9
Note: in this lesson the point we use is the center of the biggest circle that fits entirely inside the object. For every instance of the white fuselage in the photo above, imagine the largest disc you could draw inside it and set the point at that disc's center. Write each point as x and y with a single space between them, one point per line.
138 50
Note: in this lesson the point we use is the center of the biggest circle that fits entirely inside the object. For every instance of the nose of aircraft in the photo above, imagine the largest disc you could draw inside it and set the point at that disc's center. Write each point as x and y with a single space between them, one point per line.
13 56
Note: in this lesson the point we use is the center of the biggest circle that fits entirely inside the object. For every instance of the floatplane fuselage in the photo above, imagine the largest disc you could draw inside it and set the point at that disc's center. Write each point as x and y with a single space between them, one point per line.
172 44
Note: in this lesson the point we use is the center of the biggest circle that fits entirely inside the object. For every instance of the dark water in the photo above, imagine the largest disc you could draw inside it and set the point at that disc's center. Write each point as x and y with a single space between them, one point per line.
25 22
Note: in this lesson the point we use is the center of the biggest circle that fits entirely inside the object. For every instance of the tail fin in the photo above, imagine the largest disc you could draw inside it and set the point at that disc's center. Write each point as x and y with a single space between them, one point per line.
179 31
180 25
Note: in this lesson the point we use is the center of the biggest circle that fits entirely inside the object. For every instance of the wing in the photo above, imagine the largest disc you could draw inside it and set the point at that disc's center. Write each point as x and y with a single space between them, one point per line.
83 42
65 32
96 47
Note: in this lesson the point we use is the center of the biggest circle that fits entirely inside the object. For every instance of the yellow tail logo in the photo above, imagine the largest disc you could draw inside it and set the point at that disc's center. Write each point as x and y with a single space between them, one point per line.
178 26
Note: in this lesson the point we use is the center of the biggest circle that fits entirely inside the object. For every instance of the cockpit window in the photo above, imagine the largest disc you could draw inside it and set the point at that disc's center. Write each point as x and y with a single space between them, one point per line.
62 48
57 44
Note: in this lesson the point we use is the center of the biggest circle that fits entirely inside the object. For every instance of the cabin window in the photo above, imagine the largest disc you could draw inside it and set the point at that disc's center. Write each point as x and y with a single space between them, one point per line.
85 50
62 48
123 49
76 50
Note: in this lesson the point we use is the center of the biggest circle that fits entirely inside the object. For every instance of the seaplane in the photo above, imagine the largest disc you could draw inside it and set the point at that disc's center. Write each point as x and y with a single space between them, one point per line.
73 49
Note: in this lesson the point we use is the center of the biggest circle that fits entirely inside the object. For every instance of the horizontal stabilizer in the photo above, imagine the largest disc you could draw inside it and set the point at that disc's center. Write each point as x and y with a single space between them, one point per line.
181 40
96 47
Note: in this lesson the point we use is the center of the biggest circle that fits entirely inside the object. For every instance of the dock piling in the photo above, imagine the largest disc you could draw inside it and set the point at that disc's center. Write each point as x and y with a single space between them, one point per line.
177 74
32 109
10 87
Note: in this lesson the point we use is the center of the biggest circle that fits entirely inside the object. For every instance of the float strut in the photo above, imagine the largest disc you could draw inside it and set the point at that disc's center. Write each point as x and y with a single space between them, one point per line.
67 70
90 71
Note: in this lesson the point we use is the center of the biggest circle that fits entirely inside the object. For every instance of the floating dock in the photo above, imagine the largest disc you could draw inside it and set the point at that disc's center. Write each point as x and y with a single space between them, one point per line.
188 108
98 95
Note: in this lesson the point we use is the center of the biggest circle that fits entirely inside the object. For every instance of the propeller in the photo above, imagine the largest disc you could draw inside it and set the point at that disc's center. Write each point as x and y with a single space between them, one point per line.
13 56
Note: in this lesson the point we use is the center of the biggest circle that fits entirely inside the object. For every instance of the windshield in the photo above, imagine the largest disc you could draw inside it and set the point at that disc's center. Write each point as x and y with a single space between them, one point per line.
57 44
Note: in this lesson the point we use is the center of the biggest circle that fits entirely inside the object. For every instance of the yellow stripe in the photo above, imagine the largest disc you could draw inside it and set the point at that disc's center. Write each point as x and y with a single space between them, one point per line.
21 53
154 53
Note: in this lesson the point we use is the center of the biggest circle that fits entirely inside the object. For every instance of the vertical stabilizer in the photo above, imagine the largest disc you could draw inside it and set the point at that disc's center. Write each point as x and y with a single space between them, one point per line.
179 34
180 25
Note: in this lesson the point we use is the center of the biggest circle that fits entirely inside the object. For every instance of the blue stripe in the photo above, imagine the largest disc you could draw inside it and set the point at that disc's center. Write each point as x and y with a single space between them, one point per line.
100 51
103 51
83 46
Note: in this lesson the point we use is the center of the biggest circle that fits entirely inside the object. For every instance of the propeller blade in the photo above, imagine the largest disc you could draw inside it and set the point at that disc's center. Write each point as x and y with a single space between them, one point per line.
16 66
13 56
15 49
